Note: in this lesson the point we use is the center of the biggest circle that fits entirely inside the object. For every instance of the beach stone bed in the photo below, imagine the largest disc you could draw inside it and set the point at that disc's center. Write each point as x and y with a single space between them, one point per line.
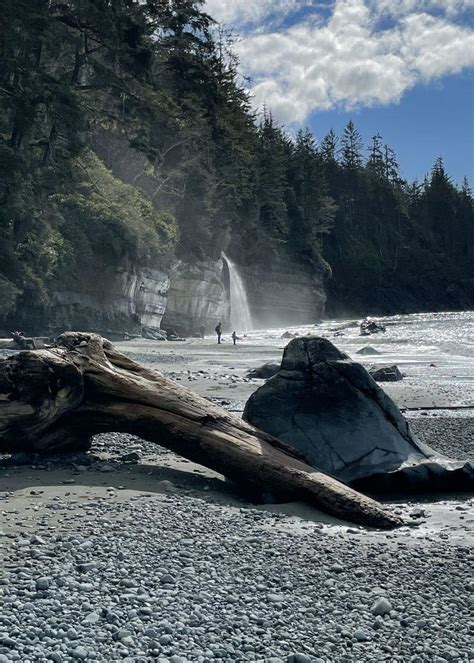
172 578
176 578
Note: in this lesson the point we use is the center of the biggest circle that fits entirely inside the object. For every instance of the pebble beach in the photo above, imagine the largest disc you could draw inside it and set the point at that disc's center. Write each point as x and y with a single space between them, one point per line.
130 553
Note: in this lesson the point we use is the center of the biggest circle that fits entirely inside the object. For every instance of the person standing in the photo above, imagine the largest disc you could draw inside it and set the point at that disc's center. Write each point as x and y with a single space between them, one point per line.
234 337
219 332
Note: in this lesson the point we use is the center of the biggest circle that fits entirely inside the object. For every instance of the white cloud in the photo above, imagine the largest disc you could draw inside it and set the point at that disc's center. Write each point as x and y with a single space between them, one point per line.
242 12
350 59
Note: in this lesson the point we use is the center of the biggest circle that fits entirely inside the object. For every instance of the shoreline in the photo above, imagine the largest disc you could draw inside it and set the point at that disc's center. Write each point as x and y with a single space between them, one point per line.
155 558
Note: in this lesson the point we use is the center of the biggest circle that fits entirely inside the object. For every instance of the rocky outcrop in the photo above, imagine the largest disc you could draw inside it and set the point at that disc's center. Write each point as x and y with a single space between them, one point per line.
114 302
197 297
331 410
283 293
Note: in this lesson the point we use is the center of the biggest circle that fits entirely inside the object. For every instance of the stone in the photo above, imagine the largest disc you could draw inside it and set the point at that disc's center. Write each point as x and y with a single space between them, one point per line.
330 410
299 658
132 457
80 653
43 583
265 371
382 606
106 467
386 373
167 579
360 635
367 350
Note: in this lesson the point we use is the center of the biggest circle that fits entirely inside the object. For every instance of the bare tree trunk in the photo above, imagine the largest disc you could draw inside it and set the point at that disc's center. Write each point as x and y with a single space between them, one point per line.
56 400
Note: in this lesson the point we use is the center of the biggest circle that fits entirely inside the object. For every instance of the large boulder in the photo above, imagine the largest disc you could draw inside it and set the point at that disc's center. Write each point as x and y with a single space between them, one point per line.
333 412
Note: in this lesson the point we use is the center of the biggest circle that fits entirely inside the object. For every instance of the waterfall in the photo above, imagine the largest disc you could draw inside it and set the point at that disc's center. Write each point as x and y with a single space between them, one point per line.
240 318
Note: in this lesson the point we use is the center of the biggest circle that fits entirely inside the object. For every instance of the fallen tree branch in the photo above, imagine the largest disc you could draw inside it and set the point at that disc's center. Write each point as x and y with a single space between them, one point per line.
55 400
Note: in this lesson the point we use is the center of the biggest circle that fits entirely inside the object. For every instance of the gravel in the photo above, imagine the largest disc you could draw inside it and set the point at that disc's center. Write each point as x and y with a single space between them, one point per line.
173 578
450 435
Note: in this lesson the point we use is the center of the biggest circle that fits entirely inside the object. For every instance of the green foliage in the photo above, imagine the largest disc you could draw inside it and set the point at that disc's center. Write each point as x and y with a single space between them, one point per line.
161 80
112 221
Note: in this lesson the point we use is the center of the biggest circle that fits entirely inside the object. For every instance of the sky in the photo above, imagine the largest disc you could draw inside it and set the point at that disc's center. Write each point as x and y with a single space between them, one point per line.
401 68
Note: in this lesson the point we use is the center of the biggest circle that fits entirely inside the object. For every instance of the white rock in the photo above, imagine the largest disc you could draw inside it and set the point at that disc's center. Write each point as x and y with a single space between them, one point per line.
382 606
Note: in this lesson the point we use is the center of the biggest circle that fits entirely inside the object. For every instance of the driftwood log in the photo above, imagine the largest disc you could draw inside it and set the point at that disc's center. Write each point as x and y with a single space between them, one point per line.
55 400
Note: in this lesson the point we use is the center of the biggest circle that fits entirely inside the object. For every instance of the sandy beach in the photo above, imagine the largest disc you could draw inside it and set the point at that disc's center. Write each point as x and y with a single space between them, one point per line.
130 553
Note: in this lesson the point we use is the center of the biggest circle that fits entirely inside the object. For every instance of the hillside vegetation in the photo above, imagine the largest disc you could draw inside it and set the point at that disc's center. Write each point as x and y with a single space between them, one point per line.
160 77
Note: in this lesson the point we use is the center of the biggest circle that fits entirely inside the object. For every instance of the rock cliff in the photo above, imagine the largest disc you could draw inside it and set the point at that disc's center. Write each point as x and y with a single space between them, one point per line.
282 293
115 302
198 296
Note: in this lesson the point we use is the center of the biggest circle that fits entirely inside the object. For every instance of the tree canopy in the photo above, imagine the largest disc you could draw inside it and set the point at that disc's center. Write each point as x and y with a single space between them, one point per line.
199 172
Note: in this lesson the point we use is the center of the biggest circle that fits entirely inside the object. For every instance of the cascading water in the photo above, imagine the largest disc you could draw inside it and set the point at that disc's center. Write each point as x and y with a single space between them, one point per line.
240 318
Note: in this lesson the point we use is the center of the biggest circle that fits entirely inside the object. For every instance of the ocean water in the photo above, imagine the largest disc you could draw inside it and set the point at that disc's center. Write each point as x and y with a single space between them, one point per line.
429 348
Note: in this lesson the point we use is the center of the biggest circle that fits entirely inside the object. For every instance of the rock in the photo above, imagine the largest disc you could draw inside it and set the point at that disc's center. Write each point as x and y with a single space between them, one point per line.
288 334
154 334
382 606
22 458
265 371
80 653
360 635
167 579
106 467
132 457
197 294
333 412
299 658
386 373
43 583
367 350
275 598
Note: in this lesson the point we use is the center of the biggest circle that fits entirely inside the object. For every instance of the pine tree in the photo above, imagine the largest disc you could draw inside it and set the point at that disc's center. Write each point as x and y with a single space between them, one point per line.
328 148
273 150
351 148
376 163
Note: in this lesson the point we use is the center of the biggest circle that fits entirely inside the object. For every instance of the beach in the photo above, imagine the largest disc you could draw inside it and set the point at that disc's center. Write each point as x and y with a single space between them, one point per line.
130 553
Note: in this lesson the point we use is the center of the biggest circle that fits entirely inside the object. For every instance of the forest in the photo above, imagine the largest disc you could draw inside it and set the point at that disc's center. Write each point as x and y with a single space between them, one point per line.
161 78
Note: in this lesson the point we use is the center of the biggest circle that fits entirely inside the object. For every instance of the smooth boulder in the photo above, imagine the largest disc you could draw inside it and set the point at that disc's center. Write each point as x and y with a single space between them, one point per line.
367 350
265 371
386 373
332 411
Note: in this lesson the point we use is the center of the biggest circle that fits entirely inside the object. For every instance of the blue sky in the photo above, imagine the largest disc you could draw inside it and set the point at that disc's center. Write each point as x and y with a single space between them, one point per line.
403 68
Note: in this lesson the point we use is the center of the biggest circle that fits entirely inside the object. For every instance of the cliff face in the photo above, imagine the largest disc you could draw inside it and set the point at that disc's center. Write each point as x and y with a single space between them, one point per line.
180 299
114 302
198 296
282 293
117 302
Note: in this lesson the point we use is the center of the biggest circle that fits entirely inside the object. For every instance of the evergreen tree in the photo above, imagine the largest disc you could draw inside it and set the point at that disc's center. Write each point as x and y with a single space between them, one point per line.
351 148
376 162
273 151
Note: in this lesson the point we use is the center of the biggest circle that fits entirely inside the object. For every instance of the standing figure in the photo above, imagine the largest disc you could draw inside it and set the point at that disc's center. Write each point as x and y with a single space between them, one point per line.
202 331
219 332
235 337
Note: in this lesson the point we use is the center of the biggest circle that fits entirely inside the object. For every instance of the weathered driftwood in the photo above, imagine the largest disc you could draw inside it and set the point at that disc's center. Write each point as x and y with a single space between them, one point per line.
9 343
55 400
